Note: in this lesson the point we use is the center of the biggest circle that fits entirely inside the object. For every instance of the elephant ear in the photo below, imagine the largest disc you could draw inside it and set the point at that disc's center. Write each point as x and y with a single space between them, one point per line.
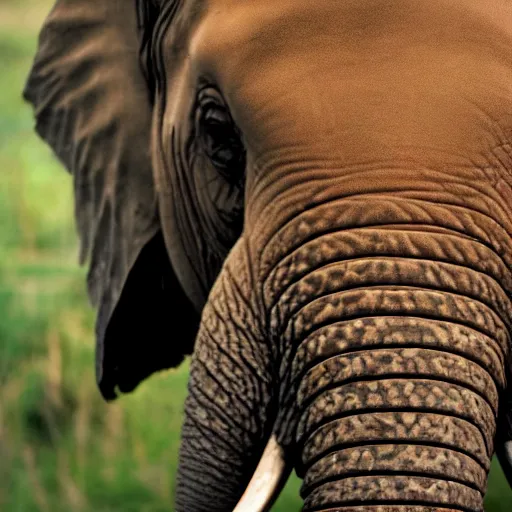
93 107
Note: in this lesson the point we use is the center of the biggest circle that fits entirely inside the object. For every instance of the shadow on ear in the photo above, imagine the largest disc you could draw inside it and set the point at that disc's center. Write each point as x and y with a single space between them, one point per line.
152 317
93 107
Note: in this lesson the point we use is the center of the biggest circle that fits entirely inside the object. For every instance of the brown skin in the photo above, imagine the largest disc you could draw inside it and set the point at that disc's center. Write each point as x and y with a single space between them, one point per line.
362 313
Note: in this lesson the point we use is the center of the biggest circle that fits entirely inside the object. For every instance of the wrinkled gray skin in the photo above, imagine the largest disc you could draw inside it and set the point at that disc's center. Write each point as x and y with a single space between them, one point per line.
333 183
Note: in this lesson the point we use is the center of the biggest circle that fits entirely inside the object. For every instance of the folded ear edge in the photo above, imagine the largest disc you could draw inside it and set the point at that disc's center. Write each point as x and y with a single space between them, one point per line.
152 327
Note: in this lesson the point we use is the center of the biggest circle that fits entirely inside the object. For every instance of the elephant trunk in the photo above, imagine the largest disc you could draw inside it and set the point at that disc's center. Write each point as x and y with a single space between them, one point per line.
406 417
394 342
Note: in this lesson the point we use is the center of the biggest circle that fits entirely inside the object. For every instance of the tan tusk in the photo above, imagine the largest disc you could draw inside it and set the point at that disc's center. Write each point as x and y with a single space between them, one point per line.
266 481
508 451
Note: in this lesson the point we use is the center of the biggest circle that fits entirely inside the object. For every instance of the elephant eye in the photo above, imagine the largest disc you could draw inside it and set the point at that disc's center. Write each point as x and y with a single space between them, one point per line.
221 141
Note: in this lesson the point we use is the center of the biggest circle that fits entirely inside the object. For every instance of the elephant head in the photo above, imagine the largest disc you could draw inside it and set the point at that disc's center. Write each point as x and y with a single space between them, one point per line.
314 199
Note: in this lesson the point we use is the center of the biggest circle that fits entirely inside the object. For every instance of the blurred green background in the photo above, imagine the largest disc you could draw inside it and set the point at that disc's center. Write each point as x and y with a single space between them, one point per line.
61 447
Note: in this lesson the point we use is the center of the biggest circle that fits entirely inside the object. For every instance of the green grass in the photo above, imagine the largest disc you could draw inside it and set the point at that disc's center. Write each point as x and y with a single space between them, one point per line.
61 447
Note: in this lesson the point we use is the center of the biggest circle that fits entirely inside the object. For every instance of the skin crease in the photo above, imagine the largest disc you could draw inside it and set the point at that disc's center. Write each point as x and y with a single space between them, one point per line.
355 280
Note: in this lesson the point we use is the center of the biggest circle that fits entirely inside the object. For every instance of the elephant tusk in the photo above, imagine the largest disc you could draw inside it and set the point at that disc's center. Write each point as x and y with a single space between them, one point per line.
508 450
266 481
505 458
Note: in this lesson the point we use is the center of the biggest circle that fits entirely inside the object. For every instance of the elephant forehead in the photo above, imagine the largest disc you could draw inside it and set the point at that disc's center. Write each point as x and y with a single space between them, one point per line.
232 20
355 74
259 31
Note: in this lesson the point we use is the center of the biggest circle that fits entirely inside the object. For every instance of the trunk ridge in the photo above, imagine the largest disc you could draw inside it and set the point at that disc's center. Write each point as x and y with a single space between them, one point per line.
399 424
397 363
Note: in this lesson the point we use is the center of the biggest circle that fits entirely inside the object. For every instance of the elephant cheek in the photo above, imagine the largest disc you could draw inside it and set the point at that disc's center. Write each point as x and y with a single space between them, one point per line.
228 411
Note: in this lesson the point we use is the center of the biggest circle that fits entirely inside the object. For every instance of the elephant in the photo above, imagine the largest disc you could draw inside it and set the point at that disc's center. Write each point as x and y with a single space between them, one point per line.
314 201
